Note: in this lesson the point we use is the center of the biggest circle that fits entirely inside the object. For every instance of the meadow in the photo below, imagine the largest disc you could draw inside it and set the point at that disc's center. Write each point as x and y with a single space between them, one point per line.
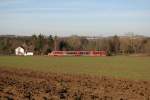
116 66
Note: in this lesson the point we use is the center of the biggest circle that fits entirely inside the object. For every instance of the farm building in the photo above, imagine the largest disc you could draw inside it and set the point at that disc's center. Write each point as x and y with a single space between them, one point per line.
21 51
28 54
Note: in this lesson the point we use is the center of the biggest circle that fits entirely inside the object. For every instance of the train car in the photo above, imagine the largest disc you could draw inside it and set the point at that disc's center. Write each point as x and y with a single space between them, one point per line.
98 53
57 53
77 53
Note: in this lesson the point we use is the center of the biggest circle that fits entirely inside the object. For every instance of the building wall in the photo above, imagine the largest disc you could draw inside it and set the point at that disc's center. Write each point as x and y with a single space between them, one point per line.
19 51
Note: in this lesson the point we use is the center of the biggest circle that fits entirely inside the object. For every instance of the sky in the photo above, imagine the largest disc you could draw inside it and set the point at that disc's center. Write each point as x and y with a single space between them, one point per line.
74 17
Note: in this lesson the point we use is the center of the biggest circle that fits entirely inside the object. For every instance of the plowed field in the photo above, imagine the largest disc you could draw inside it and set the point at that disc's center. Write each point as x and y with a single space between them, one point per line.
17 84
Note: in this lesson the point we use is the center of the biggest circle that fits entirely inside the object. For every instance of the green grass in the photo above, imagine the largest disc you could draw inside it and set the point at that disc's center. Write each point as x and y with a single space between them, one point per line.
117 66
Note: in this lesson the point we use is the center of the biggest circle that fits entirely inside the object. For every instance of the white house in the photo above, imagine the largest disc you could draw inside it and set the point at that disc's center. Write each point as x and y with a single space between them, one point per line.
20 51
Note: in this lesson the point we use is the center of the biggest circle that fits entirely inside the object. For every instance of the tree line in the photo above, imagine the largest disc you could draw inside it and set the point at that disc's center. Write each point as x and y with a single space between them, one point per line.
42 45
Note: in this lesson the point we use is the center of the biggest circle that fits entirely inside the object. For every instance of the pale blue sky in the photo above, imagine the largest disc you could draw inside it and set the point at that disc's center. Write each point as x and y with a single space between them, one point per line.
81 17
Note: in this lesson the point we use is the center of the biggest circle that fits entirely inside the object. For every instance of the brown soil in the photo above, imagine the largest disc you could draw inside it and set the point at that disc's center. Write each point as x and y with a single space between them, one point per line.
31 85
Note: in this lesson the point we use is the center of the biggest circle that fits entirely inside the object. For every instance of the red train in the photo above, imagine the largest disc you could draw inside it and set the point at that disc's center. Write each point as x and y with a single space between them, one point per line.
77 53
